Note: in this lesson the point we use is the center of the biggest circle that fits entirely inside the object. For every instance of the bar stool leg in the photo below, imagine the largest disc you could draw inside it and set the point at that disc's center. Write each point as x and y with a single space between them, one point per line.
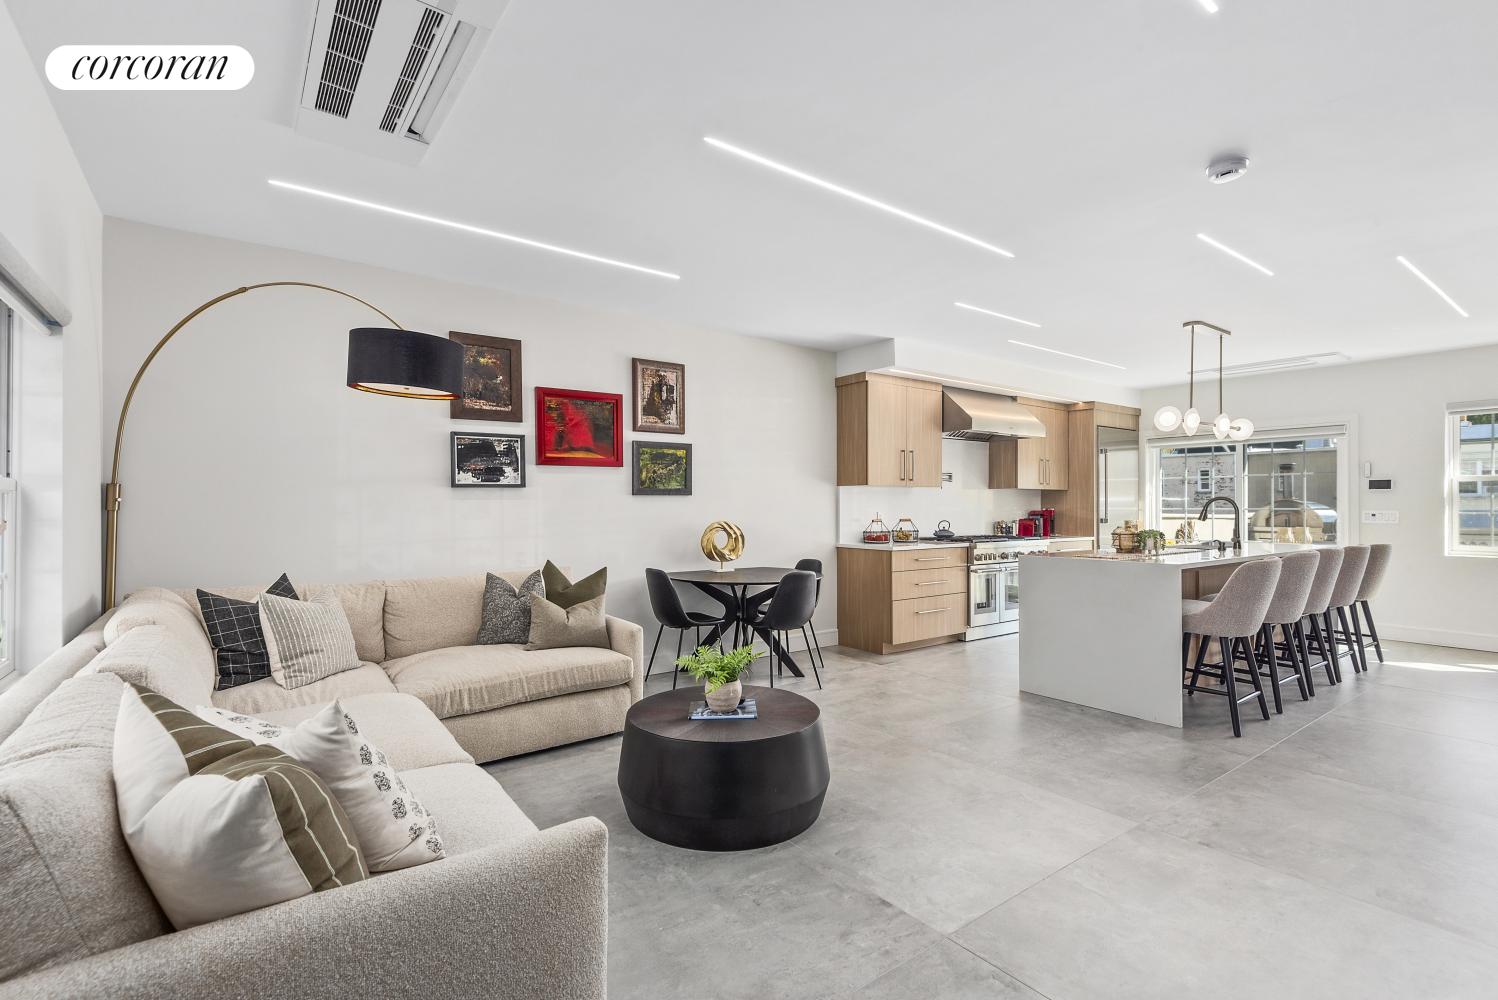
1253 664
1266 640
1321 647
1357 630
1331 639
1227 676
1201 659
1373 630
1305 656
1352 648
1301 667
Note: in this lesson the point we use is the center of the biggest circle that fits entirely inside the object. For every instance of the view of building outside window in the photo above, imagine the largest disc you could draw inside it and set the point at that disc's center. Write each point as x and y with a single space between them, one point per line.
1292 490
1189 477
1476 481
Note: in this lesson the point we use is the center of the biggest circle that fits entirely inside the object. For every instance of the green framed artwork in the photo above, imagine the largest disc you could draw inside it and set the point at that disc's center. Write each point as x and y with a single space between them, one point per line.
662 470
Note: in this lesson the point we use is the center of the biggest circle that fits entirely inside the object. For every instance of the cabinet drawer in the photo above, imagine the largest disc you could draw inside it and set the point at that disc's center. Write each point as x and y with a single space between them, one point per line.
929 617
929 583
909 559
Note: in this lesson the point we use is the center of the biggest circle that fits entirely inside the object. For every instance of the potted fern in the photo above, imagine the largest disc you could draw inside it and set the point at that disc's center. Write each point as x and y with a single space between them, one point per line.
719 673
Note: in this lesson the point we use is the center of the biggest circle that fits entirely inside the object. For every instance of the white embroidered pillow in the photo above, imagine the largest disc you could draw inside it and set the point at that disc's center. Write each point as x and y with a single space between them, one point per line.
394 830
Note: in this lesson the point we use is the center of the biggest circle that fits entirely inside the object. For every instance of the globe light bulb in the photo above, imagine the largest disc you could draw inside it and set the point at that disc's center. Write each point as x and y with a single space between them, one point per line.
1167 418
1220 426
1191 422
1241 430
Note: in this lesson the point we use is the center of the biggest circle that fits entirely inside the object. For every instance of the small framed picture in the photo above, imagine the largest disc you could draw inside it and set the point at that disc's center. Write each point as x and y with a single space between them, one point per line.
660 397
574 427
662 470
491 379
488 459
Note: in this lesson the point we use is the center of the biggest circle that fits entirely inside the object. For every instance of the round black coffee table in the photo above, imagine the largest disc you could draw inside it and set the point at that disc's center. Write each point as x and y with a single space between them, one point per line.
723 785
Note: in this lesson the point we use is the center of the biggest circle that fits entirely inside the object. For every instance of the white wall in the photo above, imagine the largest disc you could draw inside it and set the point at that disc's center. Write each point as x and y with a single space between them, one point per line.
966 501
1397 408
48 213
246 455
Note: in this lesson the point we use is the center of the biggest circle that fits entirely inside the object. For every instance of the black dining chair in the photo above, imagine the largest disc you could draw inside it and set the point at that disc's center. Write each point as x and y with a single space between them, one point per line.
665 602
790 609
753 606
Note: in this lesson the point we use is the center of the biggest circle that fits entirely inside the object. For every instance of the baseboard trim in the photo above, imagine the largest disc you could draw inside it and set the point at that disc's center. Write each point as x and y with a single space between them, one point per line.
1440 637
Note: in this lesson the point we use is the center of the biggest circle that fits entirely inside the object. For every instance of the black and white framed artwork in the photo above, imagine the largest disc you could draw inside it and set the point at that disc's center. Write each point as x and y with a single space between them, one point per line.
488 459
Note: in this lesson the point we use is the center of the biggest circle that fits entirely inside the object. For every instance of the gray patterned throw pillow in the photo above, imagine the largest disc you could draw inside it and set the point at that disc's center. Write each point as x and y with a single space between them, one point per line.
507 612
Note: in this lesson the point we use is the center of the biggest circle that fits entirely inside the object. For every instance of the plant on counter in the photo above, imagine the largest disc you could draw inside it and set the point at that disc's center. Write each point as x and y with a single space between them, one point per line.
1151 540
719 673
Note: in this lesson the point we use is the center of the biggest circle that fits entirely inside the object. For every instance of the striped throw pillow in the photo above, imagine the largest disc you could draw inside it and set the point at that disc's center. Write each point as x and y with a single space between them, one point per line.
307 640
218 825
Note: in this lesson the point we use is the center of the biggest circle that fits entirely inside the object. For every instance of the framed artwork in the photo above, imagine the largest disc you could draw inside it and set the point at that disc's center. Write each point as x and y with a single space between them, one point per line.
488 459
662 470
579 428
660 397
491 379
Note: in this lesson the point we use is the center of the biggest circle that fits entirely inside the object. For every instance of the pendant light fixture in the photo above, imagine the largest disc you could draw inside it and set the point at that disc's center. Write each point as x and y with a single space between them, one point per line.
1170 418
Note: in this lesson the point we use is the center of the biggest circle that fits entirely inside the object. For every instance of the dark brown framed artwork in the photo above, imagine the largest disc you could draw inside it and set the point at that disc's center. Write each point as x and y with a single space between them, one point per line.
492 388
659 397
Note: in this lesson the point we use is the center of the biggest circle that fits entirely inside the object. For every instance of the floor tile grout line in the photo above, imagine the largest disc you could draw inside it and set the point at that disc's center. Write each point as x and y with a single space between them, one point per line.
898 965
1414 729
995 965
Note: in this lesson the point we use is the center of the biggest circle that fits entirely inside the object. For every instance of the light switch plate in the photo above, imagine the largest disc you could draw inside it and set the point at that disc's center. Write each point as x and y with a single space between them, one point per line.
1380 517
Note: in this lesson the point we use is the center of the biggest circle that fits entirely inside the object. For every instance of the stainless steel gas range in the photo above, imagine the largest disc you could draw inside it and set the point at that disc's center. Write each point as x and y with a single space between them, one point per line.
993 582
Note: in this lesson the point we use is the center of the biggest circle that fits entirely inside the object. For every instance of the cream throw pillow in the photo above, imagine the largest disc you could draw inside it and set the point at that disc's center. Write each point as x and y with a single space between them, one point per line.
307 640
218 825
394 830
554 627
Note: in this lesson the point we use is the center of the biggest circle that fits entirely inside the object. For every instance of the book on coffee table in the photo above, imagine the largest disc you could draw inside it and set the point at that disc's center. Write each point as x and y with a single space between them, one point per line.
745 710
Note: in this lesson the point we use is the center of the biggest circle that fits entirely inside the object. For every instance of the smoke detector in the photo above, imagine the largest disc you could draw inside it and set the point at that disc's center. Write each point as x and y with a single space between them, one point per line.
1227 168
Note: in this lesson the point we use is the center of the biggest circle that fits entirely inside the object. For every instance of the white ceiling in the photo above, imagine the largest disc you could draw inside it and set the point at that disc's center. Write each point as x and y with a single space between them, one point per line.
1073 134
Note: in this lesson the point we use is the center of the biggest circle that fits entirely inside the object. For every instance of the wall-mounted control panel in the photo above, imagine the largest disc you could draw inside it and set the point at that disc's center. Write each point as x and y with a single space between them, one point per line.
1380 517
1380 484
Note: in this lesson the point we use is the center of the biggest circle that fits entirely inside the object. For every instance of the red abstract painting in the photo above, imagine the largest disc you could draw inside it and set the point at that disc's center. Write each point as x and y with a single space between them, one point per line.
579 428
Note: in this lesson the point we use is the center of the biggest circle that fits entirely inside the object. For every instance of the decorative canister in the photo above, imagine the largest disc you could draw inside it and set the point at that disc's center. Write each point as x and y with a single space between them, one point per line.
725 697
877 533
906 533
1126 538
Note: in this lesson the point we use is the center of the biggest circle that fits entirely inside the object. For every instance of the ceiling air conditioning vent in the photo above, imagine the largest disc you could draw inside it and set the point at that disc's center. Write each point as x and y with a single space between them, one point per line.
1279 365
382 75
416 62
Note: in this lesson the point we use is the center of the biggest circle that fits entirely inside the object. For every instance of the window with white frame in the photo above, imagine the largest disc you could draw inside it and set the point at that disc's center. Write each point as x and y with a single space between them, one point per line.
8 498
1472 483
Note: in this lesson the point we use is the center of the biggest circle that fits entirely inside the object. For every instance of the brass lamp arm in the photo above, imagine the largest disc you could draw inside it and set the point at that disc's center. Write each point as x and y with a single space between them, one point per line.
112 492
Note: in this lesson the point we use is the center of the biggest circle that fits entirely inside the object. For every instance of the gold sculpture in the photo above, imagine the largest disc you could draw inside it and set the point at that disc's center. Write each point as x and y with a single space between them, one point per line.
732 547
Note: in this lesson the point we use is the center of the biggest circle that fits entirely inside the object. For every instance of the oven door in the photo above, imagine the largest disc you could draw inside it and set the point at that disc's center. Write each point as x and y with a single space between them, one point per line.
985 595
1009 593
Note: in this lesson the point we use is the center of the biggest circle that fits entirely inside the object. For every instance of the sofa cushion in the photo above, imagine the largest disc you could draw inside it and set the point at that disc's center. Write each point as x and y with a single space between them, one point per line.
437 612
507 610
363 604
471 808
171 660
18 700
155 606
561 591
556 627
307 640
398 724
71 887
238 634
465 679
268 696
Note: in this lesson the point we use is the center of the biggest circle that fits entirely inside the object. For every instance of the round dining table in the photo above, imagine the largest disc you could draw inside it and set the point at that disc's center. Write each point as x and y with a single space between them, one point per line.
730 588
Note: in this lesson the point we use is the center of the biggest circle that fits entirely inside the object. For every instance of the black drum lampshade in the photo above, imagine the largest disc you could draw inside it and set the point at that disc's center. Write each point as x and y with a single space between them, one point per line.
405 363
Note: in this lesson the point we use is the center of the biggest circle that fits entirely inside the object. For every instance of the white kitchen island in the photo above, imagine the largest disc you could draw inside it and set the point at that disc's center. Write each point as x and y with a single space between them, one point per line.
1104 630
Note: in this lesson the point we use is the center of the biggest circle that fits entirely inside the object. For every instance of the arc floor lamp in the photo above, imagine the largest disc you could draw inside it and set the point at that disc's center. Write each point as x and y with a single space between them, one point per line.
395 362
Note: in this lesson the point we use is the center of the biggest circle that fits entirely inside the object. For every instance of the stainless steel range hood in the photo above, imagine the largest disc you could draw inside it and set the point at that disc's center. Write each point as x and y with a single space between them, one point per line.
982 416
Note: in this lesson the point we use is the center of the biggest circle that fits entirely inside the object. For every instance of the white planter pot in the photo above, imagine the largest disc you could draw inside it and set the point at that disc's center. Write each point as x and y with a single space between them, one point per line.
725 697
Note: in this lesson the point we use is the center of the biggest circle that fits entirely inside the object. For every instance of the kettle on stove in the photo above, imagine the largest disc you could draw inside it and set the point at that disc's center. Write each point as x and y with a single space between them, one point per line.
944 531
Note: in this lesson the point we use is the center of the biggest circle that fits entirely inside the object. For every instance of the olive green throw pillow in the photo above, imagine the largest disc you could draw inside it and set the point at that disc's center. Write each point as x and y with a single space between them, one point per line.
554 627
564 593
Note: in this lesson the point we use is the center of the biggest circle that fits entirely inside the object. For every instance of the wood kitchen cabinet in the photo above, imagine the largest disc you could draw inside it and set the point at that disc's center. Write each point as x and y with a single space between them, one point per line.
1034 463
1077 505
888 431
894 599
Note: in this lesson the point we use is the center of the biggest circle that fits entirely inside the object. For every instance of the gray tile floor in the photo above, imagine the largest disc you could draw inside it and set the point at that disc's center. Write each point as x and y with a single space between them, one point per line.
980 843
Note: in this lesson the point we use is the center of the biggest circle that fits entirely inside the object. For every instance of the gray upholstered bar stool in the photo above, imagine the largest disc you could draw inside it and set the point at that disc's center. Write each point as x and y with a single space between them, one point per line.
1373 578
1297 573
1349 582
1327 571
1235 618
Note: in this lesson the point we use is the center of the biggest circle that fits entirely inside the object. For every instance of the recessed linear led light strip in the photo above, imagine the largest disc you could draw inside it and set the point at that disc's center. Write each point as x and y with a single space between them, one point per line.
990 312
1433 286
828 185
943 379
472 229
1233 253
1037 347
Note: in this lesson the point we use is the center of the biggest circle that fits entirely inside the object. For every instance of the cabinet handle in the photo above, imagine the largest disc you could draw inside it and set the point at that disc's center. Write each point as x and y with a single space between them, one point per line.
912 465
933 559
902 465
932 611
932 583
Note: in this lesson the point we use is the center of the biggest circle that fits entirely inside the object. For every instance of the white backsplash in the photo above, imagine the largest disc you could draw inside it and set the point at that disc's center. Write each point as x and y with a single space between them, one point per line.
966 501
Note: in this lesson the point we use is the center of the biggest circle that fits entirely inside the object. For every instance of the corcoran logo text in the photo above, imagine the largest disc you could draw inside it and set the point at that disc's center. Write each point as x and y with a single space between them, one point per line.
149 67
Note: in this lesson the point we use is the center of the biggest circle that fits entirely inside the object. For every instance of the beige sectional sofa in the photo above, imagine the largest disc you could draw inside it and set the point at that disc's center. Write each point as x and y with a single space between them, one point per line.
512 911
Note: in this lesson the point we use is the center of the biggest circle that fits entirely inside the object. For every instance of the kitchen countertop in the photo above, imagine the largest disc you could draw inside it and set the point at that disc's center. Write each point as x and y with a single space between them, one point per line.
948 545
1199 558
